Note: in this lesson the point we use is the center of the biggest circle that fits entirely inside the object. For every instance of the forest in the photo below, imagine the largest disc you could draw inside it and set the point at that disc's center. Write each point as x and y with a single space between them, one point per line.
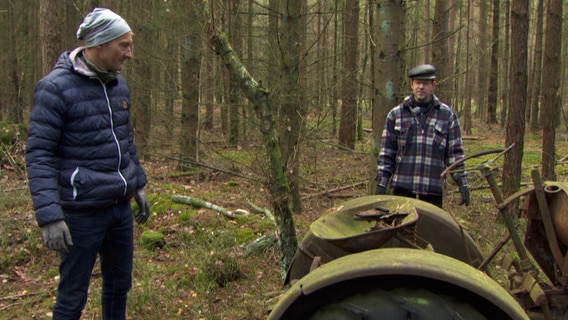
214 83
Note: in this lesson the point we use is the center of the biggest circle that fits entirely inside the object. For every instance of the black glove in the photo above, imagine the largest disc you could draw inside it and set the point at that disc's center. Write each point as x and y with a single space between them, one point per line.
56 236
143 206
465 195
380 190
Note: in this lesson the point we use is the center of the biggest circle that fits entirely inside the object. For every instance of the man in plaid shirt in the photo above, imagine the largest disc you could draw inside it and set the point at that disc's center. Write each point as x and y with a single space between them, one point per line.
421 138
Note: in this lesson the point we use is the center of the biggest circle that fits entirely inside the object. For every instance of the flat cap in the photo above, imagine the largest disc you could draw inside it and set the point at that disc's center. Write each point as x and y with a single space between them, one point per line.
423 71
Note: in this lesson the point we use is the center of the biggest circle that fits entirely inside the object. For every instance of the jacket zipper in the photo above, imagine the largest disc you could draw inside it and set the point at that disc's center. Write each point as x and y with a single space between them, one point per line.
72 182
115 140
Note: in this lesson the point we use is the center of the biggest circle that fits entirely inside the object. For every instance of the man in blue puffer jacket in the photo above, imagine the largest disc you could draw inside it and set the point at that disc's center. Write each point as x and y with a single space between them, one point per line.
83 168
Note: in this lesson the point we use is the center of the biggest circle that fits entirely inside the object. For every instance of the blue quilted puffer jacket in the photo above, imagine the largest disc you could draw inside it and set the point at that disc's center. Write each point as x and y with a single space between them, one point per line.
80 154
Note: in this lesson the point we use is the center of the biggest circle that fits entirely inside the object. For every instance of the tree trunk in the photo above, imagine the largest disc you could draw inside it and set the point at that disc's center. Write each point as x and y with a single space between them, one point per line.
335 68
191 68
494 69
208 90
50 37
293 112
450 65
537 69
388 71
139 79
348 121
250 56
426 42
468 76
481 53
515 129
440 48
456 100
552 67
278 185
322 50
235 26
16 84
272 51
506 64
362 70
171 79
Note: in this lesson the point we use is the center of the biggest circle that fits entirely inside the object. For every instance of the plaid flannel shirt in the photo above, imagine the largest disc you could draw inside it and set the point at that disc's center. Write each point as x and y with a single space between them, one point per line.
415 155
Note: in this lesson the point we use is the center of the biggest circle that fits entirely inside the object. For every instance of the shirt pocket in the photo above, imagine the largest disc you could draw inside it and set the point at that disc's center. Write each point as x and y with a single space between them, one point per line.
441 134
403 134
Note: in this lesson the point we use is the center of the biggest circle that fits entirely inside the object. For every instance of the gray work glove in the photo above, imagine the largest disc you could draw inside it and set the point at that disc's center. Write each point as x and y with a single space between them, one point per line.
56 236
380 190
465 195
143 206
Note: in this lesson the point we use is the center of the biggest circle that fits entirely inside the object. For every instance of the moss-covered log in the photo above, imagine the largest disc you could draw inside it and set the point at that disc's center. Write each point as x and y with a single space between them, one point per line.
278 184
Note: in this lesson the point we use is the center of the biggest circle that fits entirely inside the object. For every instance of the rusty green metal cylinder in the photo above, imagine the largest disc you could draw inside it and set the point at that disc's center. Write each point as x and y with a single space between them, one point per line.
346 278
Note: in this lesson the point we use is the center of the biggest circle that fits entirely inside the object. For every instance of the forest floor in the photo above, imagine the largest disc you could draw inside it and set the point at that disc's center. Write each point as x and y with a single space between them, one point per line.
202 270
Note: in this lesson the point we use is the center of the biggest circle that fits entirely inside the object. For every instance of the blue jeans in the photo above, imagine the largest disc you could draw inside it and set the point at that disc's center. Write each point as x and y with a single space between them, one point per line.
104 231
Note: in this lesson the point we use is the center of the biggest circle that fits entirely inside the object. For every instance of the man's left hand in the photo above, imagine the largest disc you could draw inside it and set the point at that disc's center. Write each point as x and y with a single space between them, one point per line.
143 206
465 195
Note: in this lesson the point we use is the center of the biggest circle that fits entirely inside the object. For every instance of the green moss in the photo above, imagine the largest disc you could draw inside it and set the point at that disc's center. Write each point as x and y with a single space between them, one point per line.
165 187
184 216
244 235
161 202
152 239
231 185
212 194
266 225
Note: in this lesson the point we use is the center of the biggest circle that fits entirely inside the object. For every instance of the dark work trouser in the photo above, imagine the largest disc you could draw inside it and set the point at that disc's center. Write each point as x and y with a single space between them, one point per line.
107 232
435 200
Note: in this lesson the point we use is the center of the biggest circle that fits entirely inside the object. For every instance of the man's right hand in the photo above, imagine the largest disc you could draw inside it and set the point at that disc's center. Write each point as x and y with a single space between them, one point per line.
56 236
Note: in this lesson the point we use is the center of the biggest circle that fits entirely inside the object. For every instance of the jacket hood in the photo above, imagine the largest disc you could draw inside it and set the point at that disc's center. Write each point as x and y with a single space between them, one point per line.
70 60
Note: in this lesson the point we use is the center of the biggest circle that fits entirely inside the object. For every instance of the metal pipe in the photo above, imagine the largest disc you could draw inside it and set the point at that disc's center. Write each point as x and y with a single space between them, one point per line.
525 262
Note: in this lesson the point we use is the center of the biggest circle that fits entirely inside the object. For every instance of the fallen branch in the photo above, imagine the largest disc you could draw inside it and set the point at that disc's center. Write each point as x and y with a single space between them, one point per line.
344 196
204 204
210 168
10 306
260 245
25 295
329 191
258 209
